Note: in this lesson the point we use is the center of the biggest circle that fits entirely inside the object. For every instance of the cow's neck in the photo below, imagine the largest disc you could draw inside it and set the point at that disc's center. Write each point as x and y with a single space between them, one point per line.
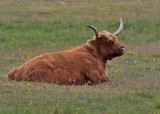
95 52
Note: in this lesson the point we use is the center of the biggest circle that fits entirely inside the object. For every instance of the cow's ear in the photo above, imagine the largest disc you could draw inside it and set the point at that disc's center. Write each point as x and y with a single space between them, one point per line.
92 42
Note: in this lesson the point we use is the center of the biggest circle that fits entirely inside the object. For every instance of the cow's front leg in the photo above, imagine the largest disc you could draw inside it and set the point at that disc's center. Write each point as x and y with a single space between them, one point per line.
96 77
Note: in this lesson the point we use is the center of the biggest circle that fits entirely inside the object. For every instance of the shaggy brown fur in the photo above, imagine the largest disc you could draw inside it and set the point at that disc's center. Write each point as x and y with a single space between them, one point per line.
75 66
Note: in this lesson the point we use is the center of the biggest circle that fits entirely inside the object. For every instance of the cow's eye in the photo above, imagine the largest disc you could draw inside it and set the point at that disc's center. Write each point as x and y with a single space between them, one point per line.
111 41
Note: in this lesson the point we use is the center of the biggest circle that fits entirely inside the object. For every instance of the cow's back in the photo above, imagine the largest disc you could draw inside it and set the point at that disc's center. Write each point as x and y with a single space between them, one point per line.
61 68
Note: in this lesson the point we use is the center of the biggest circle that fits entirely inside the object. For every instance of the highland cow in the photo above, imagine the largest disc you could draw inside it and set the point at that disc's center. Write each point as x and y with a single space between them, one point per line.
75 66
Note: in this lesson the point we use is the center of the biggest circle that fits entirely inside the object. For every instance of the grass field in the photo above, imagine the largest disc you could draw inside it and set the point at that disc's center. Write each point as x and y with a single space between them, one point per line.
30 28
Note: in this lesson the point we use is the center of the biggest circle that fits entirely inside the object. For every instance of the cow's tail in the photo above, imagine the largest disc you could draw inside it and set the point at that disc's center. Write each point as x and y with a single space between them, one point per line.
11 74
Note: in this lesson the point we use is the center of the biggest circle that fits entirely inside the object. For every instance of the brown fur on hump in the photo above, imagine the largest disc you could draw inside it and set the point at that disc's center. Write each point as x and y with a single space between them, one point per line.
74 66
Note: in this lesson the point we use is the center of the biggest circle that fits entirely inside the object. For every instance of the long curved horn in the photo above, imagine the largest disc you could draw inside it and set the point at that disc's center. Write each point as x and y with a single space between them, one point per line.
95 30
119 29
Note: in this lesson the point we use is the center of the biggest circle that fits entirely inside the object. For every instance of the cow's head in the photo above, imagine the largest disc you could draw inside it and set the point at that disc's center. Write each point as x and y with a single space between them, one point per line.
107 44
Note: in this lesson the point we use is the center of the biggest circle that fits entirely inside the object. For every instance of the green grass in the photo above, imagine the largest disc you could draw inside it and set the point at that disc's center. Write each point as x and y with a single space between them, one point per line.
30 28
110 97
21 35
